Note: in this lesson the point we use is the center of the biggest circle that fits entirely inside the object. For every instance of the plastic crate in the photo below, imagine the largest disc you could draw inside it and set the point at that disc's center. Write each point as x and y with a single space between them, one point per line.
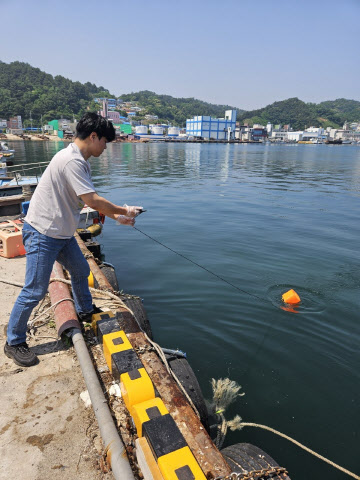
11 242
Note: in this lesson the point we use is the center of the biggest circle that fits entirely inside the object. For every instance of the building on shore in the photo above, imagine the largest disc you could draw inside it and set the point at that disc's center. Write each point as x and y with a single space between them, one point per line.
123 128
113 116
3 123
141 130
157 130
347 135
256 133
173 131
111 103
243 133
259 133
14 125
212 128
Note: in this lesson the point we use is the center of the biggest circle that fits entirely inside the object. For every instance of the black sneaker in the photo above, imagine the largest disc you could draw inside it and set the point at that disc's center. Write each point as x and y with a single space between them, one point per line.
86 317
21 354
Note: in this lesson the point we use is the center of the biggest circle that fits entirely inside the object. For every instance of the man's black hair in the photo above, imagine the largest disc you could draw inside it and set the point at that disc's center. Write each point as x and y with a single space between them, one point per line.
92 122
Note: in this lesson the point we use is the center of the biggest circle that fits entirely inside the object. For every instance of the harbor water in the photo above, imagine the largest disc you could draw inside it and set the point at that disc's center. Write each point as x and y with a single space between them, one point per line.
265 218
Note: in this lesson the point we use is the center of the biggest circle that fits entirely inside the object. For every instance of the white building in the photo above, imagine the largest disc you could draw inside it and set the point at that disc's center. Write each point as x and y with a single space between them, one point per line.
157 130
214 128
141 130
173 131
280 135
295 136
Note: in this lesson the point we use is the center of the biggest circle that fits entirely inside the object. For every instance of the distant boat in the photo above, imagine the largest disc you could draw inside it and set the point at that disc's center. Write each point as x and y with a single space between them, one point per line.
12 181
5 151
338 141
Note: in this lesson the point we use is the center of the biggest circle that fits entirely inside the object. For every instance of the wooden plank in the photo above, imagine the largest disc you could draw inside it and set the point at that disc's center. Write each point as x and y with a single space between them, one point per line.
11 200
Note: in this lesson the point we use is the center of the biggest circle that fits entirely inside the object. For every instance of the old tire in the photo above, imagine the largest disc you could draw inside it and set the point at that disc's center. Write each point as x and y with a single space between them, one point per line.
109 272
244 457
182 369
136 305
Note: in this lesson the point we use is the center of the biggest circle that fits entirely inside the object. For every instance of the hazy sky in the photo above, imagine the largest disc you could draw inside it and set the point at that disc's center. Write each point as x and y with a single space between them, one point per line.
246 54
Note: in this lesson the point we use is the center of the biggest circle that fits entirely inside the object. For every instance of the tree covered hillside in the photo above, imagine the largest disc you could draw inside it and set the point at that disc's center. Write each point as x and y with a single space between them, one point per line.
300 114
174 110
24 88
346 110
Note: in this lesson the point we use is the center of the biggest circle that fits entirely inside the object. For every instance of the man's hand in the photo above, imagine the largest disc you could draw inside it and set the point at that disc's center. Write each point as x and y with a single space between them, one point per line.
133 211
111 210
125 220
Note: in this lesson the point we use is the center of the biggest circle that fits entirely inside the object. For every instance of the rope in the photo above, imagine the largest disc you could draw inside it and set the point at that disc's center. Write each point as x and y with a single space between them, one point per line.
264 427
200 266
221 432
95 290
16 284
118 301
30 324
165 362
156 346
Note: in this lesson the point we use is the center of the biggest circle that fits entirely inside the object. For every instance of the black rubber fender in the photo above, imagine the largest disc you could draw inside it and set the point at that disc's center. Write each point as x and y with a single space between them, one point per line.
182 369
110 274
136 305
245 457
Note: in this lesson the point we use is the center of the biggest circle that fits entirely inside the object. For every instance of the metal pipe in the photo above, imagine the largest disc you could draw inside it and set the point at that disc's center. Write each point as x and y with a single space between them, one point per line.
115 449
207 455
65 316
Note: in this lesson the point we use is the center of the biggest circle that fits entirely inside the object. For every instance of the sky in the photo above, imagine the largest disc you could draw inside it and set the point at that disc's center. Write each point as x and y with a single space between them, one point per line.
246 54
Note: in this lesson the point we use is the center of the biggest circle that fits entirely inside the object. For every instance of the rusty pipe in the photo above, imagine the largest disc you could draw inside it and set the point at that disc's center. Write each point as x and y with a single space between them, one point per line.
65 315
66 319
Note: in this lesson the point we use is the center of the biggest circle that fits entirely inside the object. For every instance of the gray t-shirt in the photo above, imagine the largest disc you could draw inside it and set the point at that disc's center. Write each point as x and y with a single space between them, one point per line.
55 207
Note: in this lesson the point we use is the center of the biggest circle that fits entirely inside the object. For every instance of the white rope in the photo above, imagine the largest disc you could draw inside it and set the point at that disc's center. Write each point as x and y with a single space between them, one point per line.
114 297
95 290
264 427
31 324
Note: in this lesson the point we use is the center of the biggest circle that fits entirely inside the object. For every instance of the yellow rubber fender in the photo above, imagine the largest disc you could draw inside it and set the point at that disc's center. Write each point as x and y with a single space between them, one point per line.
94 229
91 281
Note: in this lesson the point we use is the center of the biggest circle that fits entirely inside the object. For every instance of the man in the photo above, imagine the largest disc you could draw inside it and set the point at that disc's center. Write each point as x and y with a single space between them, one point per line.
50 224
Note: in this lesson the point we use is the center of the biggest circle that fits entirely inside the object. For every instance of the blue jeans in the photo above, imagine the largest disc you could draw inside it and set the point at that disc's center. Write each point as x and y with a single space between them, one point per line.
41 253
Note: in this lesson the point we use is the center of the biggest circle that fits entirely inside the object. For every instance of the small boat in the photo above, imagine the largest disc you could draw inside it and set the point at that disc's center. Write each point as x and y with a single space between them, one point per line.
5 151
338 141
13 181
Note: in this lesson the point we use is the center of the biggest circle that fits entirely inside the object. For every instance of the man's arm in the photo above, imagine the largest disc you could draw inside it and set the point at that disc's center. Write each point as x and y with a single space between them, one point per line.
93 200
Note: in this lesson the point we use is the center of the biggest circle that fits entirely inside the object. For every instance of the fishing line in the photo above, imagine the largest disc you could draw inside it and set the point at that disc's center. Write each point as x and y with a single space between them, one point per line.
200 266
270 325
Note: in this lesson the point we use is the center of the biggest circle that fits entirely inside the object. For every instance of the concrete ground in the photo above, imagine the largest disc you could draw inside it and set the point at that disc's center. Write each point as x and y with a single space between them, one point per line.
45 429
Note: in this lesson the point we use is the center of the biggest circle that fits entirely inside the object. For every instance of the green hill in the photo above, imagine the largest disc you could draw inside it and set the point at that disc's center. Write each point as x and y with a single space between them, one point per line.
341 109
300 114
174 110
24 88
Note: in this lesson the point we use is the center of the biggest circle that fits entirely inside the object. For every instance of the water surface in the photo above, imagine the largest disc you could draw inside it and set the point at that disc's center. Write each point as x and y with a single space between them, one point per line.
266 219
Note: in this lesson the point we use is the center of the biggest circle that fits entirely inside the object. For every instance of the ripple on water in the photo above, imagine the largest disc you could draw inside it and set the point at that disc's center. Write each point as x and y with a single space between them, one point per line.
311 301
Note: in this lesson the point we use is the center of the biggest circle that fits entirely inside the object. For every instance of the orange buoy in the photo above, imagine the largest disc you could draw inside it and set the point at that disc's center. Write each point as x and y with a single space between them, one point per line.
291 297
